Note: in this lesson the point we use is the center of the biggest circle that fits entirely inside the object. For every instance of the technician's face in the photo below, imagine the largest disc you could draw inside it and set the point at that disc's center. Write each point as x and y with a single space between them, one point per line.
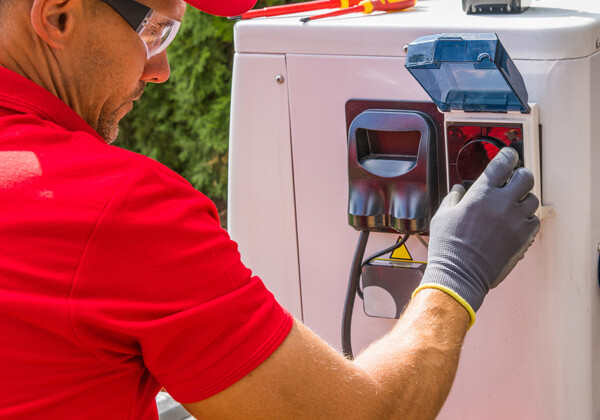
114 66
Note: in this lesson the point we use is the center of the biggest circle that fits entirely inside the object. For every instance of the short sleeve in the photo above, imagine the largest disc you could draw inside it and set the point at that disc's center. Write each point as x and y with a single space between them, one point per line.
161 286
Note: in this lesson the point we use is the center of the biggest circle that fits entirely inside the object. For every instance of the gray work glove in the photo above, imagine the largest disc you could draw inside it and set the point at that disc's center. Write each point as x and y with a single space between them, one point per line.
477 237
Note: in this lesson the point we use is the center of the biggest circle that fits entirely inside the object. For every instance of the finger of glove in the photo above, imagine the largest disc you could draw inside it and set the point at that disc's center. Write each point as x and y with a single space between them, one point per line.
499 169
529 205
520 183
533 226
454 196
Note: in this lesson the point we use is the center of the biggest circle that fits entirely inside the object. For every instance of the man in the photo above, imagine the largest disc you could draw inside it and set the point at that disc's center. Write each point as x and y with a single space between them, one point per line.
116 280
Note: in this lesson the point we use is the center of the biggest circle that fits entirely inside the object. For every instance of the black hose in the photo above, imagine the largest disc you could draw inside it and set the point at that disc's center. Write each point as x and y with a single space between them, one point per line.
353 283
353 280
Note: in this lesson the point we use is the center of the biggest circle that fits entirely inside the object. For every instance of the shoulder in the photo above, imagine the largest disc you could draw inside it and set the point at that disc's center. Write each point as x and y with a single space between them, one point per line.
58 147
122 173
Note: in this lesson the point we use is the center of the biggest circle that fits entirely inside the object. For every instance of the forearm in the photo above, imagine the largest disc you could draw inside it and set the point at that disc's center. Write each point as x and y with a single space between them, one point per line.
414 365
406 375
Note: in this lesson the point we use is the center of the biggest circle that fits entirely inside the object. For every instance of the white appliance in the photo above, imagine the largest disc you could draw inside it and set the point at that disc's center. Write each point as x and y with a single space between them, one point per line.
534 351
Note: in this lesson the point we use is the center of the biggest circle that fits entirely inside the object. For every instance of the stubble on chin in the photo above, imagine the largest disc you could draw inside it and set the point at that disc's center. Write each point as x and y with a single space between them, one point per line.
108 123
108 127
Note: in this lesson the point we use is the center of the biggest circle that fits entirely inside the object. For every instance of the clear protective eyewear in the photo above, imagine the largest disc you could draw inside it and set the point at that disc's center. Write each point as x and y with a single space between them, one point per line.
156 30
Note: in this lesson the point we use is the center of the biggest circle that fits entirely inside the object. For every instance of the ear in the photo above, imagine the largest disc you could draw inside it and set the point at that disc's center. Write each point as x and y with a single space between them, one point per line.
54 20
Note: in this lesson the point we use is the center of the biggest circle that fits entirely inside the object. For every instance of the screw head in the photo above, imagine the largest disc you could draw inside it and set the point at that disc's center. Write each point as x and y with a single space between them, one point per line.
279 79
598 43
405 48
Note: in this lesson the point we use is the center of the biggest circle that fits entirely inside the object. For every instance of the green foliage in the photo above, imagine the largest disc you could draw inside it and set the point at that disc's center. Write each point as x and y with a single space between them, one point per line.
184 123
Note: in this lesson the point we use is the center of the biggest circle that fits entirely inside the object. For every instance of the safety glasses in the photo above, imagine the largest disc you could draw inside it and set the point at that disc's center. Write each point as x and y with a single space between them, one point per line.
156 30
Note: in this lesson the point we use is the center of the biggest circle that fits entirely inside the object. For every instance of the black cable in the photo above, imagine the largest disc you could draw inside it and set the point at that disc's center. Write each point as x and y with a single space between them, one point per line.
353 283
355 272
379 254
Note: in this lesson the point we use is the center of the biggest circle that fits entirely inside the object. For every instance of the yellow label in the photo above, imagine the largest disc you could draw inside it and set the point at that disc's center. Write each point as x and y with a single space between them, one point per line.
401 253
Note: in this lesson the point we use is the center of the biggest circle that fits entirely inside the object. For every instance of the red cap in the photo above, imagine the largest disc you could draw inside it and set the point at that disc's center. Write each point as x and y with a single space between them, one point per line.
223 7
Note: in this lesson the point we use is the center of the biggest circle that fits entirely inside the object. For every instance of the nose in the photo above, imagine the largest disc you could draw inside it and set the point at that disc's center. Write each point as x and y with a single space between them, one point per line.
157 69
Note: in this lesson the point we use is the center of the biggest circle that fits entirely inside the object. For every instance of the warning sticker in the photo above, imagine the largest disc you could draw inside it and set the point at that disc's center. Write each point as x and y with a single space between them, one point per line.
401 253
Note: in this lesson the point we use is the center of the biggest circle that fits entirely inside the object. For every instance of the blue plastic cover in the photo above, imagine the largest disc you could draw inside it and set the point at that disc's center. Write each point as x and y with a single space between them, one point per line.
468 72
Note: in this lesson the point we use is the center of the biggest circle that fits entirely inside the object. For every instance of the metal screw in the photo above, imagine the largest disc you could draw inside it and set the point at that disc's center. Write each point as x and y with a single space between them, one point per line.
279 79
405 48
483 56
598 43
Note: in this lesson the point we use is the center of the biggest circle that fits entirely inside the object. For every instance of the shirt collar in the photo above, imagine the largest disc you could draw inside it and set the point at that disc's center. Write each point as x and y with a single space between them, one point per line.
24 96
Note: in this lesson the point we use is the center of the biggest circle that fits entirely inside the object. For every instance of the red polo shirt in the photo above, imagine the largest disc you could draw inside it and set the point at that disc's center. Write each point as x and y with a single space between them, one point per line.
115 276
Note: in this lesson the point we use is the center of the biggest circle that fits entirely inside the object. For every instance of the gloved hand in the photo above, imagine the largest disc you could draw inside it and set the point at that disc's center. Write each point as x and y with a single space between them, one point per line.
477 237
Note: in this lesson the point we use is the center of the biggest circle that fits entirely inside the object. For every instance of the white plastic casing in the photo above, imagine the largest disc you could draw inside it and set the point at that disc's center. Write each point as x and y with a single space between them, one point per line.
534 351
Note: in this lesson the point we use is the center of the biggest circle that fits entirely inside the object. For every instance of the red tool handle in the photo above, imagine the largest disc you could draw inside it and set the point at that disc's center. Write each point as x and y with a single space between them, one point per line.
298 8
367 7
387 5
